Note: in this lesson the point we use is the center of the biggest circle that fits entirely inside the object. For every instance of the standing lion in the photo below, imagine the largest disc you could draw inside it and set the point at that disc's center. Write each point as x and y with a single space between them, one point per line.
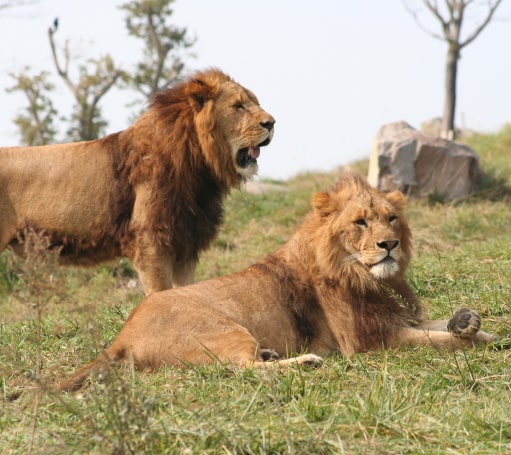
152 193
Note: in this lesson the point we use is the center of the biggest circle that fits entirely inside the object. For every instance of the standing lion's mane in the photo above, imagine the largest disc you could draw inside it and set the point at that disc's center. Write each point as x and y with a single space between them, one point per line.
163 147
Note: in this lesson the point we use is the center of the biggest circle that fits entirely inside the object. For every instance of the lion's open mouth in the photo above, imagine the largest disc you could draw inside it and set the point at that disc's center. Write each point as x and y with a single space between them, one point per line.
249 155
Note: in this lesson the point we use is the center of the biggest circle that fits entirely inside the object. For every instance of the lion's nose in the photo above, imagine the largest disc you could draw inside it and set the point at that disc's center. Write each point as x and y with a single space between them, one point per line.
388 245
268 124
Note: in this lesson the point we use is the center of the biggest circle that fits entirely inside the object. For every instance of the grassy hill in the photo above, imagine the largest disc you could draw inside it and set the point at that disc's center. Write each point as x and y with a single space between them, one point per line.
415 400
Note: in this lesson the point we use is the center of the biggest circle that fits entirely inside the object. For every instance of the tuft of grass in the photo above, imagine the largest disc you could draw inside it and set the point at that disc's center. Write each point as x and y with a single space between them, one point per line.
414 400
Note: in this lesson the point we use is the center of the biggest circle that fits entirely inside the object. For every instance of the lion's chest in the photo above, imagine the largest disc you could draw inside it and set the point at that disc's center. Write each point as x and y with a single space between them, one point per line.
360 323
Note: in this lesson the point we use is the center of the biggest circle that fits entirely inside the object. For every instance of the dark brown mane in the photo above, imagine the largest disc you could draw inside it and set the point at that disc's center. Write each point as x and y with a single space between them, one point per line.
163 148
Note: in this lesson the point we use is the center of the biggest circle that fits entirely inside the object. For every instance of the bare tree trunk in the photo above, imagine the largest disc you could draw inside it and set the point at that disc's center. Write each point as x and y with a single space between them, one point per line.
450 14
451 70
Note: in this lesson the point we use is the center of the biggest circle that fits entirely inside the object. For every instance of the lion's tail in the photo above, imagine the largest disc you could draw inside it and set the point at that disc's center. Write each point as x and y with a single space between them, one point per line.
100 366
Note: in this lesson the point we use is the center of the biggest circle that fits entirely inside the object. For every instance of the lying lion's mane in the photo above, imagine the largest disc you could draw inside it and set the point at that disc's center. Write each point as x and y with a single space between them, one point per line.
300 296
324 284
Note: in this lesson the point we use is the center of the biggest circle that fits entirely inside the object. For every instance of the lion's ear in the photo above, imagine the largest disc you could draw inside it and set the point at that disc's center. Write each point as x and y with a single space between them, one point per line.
397 199
198 93
323 204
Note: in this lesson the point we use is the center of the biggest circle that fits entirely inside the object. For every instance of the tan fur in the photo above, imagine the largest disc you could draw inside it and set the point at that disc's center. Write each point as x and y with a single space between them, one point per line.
326 290
152 192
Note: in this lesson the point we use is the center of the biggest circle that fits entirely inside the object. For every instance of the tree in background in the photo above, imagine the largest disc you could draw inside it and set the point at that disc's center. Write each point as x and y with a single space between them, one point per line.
95 79
451 15
162 64
37 123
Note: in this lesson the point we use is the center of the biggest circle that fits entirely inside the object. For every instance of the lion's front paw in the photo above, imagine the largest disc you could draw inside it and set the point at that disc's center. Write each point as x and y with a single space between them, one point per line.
309 359
465 323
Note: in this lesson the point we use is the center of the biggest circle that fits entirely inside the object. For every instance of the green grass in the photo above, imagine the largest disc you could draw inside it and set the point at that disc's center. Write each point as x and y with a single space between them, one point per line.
410 401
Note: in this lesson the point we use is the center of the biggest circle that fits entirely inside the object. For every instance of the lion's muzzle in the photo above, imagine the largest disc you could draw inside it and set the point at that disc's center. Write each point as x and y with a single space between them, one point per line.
249 155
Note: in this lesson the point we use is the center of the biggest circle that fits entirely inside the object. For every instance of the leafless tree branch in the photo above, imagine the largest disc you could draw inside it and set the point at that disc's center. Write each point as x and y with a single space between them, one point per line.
478 30
415 15
63 73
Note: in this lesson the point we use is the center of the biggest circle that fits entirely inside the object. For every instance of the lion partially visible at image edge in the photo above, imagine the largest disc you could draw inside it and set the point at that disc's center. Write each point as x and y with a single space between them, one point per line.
152 193
338 285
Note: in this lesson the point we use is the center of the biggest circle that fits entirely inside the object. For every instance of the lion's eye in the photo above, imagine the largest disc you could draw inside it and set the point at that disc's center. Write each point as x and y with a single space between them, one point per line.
239 106
392 218
361 222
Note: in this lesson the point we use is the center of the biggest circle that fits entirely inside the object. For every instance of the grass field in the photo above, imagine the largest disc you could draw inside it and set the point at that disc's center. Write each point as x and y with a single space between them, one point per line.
410 401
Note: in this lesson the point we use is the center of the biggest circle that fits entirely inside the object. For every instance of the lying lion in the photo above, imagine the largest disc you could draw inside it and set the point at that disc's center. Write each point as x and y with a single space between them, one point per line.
337 286
152 193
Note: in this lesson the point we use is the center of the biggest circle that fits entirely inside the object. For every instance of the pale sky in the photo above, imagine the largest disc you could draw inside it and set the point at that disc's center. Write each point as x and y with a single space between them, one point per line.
331 72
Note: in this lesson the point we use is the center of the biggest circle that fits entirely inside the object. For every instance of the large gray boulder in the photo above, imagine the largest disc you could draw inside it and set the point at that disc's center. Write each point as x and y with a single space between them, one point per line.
419 164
